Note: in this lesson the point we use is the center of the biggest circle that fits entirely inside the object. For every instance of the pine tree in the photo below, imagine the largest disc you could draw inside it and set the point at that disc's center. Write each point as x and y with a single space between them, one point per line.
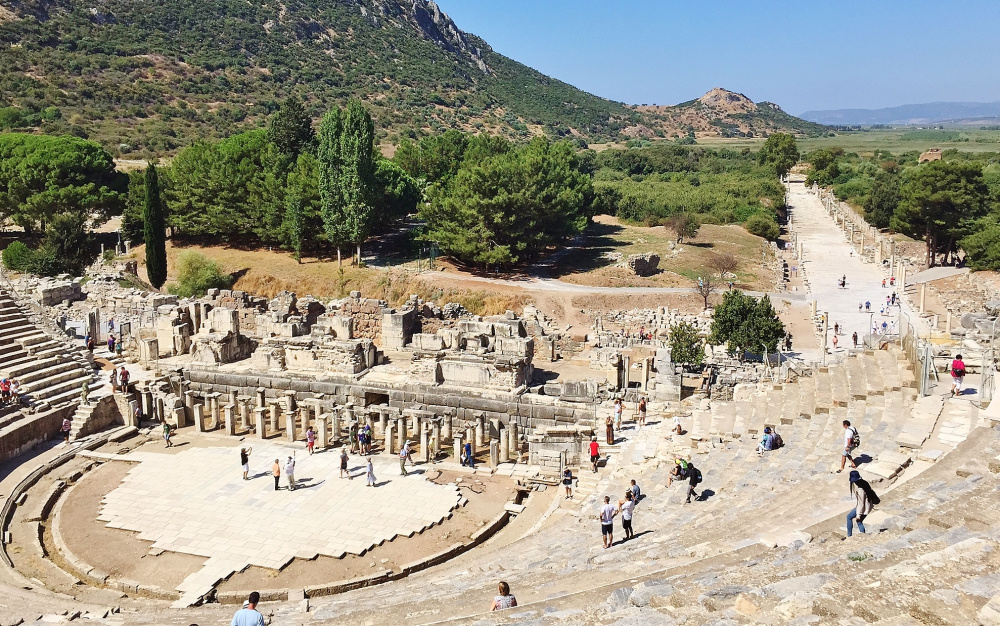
154 231
291 129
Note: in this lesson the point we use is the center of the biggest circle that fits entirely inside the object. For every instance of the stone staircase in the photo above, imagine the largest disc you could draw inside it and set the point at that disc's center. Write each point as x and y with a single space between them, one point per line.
49 370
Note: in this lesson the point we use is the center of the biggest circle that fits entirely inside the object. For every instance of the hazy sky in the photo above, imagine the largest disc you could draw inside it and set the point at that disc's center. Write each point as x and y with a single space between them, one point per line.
809 54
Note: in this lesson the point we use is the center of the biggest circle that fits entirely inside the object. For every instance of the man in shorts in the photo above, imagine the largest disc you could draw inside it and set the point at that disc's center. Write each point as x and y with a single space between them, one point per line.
849 446
607 517
595 453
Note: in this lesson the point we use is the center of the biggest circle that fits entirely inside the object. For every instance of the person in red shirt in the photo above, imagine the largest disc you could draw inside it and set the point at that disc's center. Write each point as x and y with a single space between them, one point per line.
595 453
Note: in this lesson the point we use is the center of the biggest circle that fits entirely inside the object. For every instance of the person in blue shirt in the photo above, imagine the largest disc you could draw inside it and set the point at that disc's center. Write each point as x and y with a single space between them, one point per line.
766 442
248 615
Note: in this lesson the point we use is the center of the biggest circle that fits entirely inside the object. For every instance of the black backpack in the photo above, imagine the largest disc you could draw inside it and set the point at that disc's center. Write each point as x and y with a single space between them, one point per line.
696 476
776 441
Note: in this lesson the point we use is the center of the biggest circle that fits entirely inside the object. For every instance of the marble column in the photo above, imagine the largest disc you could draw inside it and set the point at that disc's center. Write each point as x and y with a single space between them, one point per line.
230 410
504 447
290 425
400 433
261 398
494 453
260 422
425 444
321 422
513 447
457 442
390 440
199 418
480 432
436 439
335 426
273 414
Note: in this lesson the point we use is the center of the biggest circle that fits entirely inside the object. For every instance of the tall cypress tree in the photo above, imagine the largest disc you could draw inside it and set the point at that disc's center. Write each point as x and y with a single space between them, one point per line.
154 230
357 174
331 127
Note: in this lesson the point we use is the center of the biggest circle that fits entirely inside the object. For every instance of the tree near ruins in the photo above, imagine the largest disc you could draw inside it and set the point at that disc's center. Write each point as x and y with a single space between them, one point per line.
724 263
705 287
154 230
941 202
683 225
881 203
746 324
346 184
780 152
686 347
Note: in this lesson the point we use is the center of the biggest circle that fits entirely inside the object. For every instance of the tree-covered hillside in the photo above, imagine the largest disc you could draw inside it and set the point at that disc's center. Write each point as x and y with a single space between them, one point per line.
144 77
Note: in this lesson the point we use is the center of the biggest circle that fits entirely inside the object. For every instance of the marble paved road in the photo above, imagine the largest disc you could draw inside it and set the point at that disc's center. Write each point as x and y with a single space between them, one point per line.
827 258
196 502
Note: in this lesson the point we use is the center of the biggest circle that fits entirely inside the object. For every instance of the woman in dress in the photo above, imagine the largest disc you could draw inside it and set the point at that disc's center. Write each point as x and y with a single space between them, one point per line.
371 473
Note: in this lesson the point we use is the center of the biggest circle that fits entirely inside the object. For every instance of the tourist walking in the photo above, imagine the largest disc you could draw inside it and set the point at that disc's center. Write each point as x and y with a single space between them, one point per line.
868 305
851 441
114 379
609 427
111 343
865 500
467 456
568 483
123 378
626 508
89 342
957 375
167 431
276 472
642 411
310 439
694 477
119 348
855 338
505 600
245 462
404 456
248 615
370 473
353 434
343 464
619 409
835 340
595 453
290 472
67 426
607 517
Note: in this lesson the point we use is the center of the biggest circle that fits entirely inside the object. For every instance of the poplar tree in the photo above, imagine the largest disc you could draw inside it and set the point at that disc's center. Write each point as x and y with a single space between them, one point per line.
331 127
357 173
154 231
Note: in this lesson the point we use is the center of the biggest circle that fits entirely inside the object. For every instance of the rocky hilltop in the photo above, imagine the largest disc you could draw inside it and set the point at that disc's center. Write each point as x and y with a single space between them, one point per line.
720 112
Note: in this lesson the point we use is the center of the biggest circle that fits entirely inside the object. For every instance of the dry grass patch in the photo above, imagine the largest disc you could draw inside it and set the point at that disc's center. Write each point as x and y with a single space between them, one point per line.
590 265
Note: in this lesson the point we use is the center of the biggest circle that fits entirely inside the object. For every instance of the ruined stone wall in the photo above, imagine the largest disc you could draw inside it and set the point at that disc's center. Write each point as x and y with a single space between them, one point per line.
246 306
367 314
527 410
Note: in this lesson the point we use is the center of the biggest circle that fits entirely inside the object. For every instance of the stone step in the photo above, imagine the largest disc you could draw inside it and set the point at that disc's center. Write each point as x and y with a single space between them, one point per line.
48 370
63 383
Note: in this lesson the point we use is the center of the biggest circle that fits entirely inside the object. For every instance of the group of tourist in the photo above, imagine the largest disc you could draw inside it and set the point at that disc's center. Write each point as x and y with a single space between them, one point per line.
625 508
10 391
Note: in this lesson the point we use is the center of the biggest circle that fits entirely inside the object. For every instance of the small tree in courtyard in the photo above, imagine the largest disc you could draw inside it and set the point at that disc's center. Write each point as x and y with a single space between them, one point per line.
746 324
685 345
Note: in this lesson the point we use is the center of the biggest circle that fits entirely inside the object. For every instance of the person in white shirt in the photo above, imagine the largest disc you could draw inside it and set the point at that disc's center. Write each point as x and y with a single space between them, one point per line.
607 517
849 433
290 472
627 507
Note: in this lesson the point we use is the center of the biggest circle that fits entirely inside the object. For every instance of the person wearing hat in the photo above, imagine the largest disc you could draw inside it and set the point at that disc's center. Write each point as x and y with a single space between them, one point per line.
864 501
404 456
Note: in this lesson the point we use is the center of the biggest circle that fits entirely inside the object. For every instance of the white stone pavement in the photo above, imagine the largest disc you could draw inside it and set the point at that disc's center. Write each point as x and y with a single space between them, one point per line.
196 502
826 259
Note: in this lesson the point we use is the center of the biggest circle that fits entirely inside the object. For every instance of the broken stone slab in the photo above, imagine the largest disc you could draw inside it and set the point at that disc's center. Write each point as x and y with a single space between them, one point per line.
643 264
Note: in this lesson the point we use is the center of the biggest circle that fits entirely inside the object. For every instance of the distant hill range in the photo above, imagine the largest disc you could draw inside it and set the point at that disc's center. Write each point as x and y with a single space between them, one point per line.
147 77
930 113
721 113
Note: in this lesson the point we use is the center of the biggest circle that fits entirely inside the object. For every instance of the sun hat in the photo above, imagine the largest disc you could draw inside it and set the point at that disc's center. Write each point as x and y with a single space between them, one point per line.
855 476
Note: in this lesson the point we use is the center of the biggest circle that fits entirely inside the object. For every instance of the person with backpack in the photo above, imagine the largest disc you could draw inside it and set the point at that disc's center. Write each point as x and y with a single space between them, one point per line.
851 441
865 500
694 478
679 472
957 375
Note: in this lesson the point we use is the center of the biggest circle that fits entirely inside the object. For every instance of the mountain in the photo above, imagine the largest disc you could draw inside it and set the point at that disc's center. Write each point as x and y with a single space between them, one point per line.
154 75
930 113
146 77
721 113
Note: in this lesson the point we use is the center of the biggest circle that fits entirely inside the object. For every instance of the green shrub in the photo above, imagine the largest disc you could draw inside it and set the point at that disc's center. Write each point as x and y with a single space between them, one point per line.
197 274
762 226
17 257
